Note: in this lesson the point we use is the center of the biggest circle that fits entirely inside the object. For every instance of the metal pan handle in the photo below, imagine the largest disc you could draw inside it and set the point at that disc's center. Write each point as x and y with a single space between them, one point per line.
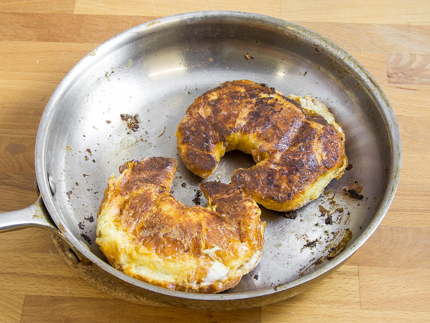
36 215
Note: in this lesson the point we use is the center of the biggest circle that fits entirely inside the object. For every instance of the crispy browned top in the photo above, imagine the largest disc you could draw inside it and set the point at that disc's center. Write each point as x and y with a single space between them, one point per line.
168 228
292 148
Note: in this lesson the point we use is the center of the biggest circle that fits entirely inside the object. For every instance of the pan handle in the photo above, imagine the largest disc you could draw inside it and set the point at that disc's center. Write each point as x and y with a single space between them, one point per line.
36 215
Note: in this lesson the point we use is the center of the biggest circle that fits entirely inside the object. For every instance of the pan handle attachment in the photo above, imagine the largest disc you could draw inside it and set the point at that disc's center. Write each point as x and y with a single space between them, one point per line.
35 215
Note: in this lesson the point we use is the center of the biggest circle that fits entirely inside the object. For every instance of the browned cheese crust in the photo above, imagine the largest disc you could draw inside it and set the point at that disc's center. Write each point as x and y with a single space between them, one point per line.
296 144
149 235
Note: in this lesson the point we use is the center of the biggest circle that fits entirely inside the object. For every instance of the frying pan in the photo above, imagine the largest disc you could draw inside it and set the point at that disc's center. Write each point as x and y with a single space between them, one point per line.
125 99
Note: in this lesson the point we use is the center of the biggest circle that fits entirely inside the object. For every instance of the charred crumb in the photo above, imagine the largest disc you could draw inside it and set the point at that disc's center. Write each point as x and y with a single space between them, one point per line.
256 277
184 184
90 219
354 192
85 175
348 167
311 244
247 56
94 160
86 238
86 158
197 200
323 210
332 253
81 226
69 193
88 150
329 220
291 215
306 72
131 120
77 184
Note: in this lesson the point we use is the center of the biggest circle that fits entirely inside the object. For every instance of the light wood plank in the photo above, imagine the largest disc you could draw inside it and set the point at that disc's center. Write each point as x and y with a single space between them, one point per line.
48 285
395 289
408 68
341 289
16 154
160 8
373 38
31 240
305 314
39 6
408 99
395 247
11 308
15 128
17 191
42 57
365 11
66 28
66 309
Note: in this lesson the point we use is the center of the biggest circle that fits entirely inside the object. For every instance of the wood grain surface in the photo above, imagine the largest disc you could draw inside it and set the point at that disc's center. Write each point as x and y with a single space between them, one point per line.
387 280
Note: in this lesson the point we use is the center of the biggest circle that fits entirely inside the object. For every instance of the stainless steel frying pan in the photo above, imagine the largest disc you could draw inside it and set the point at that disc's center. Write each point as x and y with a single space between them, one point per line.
125 99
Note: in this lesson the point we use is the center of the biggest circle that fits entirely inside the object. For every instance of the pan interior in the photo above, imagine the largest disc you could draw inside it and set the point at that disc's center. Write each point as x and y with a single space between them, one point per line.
125 100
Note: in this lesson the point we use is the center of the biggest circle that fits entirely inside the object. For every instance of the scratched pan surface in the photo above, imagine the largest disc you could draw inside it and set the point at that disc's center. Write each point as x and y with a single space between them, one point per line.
152 73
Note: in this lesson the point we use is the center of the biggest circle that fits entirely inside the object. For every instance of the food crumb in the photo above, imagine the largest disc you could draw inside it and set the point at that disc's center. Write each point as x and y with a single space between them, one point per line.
354 191
90 219
86 238
291 215
197 200
131 120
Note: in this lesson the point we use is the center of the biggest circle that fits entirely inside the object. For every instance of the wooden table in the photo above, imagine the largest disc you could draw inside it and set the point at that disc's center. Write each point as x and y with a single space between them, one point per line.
388 279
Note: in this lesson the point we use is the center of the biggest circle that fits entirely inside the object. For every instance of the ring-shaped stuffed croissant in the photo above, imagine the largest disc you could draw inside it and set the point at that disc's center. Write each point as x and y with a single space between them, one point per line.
296 143
146 233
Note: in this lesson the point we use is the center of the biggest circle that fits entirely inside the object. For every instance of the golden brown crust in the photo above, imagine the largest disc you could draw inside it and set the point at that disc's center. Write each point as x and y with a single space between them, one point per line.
149 235
295 142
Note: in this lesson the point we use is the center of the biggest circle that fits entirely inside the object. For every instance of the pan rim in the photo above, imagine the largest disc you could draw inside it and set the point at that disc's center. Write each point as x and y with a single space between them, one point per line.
281 25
